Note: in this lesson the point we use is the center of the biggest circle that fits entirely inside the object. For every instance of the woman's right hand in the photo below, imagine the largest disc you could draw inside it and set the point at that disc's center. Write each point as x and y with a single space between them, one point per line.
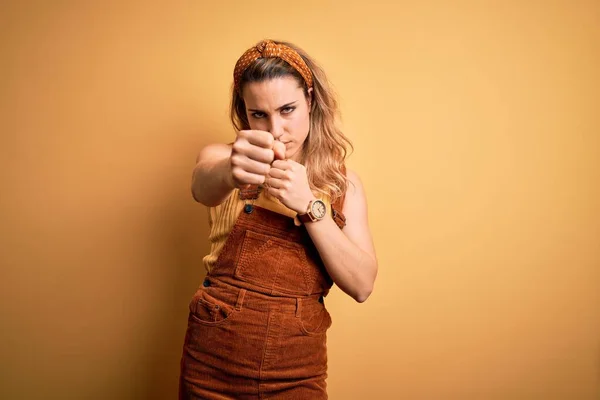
252 154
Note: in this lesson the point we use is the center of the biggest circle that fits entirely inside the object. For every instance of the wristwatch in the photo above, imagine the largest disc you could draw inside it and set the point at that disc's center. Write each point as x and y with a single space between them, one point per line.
315 211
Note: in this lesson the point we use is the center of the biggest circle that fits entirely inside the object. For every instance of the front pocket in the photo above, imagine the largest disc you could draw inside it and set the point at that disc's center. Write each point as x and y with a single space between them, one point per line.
275 264
207 310
314 319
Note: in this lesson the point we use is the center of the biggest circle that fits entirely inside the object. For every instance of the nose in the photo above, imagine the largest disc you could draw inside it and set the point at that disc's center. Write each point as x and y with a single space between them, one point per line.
276 127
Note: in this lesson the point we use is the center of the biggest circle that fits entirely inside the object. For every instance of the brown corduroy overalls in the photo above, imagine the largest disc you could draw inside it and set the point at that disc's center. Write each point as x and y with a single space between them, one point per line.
257 326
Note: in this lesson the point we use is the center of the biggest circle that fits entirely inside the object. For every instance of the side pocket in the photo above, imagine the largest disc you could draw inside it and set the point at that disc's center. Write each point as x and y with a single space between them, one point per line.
315 320
207 310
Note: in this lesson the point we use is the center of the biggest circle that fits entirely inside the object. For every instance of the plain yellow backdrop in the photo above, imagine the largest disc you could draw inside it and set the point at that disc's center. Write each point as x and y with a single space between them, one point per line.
477 138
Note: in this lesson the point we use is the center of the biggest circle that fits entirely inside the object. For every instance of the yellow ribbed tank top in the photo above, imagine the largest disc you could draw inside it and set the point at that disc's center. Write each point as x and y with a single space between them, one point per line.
221 219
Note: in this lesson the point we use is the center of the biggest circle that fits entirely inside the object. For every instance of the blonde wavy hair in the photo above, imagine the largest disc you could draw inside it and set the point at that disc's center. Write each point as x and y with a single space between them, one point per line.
326 147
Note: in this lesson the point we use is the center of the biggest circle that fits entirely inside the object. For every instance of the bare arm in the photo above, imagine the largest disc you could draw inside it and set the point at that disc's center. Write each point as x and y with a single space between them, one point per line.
211 178
348 254
221 167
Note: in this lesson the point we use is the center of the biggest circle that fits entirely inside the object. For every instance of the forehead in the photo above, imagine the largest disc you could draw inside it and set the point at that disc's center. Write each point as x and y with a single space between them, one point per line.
273 92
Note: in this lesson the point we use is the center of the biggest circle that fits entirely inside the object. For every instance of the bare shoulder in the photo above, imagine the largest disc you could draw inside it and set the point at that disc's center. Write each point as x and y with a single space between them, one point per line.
355 209
214 150
354 179
355 192
355 203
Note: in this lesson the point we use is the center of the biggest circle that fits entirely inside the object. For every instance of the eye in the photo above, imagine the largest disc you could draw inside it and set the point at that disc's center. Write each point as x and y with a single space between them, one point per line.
287 110
258 115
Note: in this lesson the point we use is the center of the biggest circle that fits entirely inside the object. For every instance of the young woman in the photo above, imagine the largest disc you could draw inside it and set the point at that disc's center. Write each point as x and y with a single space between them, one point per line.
287 221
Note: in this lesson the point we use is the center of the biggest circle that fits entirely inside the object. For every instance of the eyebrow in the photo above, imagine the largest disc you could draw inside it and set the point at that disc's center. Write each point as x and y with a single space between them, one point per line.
278 109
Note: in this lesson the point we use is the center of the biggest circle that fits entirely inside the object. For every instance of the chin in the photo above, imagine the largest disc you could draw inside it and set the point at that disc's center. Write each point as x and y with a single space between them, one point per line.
292 155
289 151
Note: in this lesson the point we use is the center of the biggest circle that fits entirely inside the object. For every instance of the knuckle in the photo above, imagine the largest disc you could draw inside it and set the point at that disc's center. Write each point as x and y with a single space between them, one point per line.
237 178
237 172
268 138
238 145
235 159
270 155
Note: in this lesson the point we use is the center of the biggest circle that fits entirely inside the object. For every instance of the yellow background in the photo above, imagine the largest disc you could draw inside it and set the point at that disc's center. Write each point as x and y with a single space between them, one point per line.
476 128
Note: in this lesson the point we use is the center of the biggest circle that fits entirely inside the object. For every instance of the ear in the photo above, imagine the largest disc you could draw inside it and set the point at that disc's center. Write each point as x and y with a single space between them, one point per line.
310 98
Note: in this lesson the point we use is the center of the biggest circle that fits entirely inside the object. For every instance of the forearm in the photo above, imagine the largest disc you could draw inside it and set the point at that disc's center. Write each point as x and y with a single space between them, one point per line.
211 179
350 267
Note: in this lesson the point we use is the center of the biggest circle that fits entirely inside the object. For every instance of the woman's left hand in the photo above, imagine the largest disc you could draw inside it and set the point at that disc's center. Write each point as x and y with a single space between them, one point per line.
287 181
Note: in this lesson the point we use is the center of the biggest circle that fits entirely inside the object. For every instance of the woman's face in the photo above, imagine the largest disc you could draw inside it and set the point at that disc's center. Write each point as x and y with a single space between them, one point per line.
280 107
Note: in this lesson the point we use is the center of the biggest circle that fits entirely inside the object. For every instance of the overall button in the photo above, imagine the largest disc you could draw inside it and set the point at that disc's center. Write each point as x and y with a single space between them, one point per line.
206 283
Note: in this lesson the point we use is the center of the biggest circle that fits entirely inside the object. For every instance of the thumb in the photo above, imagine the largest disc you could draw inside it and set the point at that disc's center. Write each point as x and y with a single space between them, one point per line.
279 150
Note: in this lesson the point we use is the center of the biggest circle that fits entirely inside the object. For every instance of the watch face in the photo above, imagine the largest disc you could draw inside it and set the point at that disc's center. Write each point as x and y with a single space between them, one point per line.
318 209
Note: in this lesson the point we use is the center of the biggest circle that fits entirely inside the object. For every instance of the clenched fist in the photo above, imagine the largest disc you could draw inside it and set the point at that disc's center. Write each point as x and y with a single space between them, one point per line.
252 155
288 182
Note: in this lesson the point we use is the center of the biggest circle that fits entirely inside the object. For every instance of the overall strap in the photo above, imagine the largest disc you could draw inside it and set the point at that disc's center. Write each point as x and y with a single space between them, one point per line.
338 206
250 192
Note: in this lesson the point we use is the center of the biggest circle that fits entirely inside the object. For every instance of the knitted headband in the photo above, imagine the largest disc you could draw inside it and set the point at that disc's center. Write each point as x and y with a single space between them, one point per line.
270 49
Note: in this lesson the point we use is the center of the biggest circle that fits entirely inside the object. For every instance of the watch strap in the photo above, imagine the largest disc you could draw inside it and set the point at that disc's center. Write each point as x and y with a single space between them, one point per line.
304 218
338 206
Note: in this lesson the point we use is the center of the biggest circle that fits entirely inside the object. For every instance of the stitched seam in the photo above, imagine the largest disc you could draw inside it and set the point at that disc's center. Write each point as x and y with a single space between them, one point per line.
262 363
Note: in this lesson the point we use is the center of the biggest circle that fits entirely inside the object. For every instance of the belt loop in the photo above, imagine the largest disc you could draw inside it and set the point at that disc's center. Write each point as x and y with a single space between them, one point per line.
298 307
240 299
